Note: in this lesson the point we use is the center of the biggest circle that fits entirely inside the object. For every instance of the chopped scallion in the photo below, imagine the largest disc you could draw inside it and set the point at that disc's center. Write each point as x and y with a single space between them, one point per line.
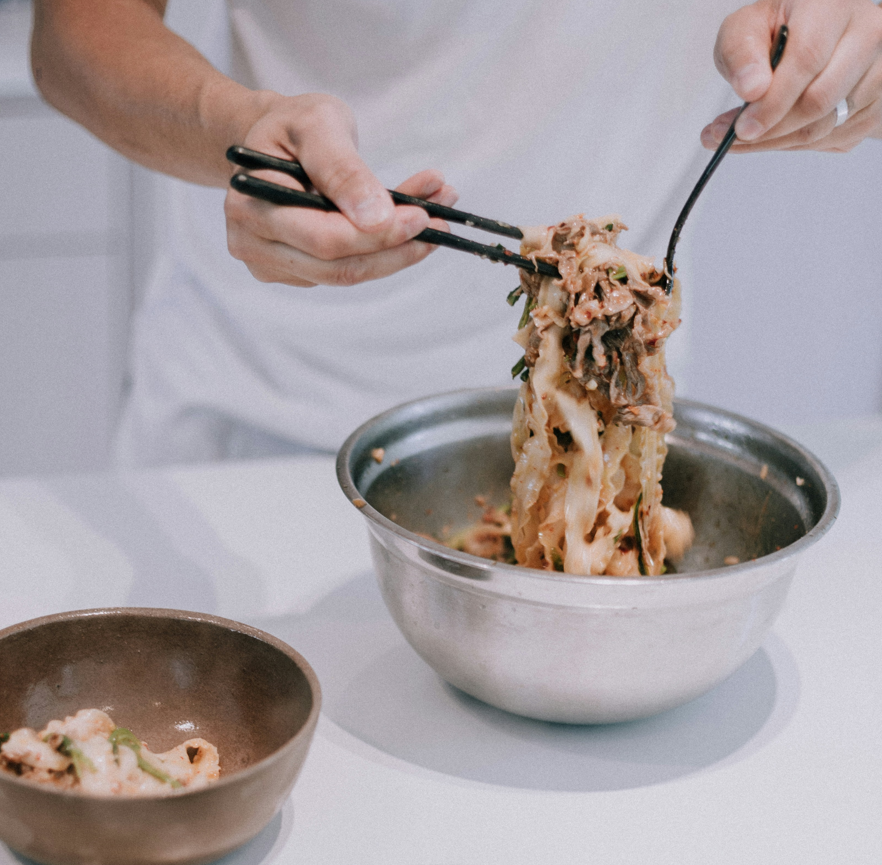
641 564
529 306
519 367
78 759
125 737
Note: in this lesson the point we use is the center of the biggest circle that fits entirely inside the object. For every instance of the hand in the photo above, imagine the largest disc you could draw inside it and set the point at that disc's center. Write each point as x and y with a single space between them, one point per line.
834 52
368 239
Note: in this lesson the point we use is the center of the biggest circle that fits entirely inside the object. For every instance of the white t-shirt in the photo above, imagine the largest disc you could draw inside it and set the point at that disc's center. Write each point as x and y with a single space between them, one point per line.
533 109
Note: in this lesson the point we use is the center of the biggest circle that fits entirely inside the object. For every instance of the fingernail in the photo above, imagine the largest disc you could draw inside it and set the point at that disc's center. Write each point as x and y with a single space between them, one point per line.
373 210
747 128
748 78
714 132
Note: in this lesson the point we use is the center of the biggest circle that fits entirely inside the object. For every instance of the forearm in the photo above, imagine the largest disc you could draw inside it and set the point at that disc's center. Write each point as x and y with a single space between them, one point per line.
114 67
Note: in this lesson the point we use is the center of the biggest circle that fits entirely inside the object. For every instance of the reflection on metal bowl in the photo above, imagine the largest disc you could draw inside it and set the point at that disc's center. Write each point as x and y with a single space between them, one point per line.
577 649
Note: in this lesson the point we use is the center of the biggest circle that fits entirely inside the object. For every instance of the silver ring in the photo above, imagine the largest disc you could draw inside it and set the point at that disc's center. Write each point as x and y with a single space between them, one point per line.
842 112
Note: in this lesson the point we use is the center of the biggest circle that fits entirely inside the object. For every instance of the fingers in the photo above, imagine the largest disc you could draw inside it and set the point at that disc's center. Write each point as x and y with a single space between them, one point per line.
328 153
304 247
319 131
713 133
807 88
276 261
864 120
330 236
834 52
323 235
369 238
429 185
741 52
809 49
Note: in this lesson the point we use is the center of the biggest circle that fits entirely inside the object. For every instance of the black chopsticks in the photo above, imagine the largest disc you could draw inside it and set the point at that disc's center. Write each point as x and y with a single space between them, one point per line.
274 193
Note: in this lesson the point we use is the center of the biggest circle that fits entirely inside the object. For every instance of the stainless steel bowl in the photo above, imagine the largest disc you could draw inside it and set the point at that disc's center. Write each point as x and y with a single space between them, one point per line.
572 649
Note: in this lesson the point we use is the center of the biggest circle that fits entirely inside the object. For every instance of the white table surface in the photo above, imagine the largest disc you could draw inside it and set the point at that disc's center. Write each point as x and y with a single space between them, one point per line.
782 763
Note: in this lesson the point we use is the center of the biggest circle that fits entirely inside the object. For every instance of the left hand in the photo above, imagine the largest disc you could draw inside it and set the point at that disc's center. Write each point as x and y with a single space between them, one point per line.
834 52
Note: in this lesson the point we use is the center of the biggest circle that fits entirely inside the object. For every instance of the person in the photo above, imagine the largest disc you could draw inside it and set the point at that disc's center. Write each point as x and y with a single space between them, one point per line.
534 111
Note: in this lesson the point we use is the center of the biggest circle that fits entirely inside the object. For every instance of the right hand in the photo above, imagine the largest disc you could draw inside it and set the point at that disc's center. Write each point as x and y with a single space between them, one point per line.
834 53
369 238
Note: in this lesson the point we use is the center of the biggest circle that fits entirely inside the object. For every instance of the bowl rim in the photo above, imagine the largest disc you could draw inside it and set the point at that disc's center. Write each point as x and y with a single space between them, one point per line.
304 732
469 562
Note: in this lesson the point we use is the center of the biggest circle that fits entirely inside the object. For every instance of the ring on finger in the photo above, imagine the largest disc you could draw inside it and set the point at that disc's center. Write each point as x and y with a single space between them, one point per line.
843 110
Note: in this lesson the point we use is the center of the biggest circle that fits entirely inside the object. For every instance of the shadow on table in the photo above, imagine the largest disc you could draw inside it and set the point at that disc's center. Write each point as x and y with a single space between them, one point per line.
379 690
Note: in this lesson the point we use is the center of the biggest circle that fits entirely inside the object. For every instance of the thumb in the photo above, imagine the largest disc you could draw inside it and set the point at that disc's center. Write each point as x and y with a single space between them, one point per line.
326 148
742 51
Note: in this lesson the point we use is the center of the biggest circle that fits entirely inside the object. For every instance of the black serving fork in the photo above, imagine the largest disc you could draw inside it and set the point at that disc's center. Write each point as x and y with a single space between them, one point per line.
274 193
719 153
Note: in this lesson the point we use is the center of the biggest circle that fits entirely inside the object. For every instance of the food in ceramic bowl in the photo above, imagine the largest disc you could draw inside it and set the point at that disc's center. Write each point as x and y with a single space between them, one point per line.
169 676
89 753
579 649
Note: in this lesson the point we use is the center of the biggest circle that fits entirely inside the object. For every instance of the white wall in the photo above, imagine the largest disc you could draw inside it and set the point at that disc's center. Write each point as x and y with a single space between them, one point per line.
787 301
65 280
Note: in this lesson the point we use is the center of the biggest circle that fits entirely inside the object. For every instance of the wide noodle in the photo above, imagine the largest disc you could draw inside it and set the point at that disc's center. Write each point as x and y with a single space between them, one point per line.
593 409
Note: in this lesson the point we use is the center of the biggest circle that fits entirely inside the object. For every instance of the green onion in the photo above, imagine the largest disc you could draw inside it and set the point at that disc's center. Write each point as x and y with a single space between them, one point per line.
609 227
621 273
525 375
77 758
529 306
519 367
508 553
514 295
4 737
641 564
561 470
125 737
556 559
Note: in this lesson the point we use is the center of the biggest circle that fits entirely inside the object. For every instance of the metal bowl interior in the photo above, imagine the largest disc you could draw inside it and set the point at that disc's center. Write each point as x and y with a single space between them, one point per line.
582 649
751 492
169 676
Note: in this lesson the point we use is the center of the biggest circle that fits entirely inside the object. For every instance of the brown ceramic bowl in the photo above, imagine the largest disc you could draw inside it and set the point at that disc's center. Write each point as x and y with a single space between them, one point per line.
168 676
